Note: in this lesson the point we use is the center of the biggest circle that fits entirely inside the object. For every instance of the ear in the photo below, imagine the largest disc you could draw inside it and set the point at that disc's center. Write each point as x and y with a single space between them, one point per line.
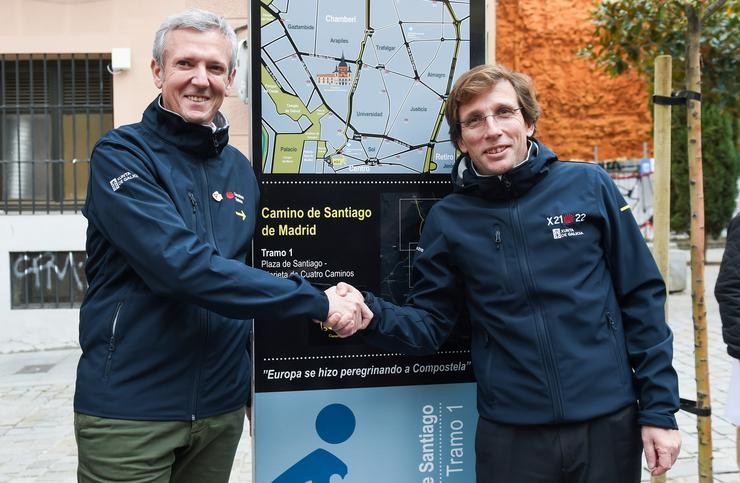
157 73
230 82
461 146
530 130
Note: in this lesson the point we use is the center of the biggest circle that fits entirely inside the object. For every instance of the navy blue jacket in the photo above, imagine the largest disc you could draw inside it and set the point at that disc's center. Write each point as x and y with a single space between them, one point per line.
164 327
564 298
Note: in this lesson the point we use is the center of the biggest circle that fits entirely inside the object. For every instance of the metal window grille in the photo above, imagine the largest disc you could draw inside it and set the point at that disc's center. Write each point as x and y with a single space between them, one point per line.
53 108
47 280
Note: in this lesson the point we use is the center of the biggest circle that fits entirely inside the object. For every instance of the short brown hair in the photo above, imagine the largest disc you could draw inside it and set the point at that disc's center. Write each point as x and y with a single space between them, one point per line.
479 80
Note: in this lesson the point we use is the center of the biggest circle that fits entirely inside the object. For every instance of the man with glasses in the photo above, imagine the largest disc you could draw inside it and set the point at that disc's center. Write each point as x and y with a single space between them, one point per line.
570 348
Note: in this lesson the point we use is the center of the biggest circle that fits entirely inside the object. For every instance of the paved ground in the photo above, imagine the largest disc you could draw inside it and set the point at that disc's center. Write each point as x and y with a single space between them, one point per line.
37 443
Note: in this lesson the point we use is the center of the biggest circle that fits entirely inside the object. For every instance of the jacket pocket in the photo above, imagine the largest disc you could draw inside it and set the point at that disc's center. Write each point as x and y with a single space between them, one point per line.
617 348
500 257
112 341
194 205
482 352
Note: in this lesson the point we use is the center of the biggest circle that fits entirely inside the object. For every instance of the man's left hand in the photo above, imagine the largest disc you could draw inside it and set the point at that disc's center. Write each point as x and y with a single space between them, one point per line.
661 448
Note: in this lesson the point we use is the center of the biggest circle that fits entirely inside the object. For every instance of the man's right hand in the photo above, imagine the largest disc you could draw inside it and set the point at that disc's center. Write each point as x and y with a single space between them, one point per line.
347 310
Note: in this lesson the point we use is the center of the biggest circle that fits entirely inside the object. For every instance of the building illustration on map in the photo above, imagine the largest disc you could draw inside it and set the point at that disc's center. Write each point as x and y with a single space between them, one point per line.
340 77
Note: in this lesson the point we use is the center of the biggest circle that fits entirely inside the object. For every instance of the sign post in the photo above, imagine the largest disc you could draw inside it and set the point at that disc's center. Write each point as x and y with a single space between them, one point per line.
352 152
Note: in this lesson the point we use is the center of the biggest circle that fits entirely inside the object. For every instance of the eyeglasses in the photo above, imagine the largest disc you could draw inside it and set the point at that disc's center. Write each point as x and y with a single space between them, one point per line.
501 116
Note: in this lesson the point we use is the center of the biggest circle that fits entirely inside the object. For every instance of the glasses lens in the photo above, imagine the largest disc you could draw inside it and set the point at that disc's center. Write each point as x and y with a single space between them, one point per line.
501 116
474 123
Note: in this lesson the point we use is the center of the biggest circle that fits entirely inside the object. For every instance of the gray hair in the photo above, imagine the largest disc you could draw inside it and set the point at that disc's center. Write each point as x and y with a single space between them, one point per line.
195 18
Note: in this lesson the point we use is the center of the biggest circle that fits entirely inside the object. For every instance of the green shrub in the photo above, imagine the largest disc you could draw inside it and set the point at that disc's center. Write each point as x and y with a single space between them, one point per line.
720 166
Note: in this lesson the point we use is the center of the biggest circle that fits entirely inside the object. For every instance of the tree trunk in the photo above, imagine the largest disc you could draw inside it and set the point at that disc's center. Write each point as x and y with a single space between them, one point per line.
696 191
662 170
662 174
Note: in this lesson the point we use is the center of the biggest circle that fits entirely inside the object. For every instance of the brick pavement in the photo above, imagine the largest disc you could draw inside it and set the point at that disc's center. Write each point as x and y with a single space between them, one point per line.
725 468
37 442
36 437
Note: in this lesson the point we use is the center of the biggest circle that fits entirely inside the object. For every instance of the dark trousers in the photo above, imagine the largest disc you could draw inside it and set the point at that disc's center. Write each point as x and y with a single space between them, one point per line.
603 450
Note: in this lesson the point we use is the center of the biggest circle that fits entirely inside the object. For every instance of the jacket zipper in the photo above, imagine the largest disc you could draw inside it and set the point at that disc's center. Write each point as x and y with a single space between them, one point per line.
504 269
618 354
207 210
199 368
112 340
194 204
205 316
543 334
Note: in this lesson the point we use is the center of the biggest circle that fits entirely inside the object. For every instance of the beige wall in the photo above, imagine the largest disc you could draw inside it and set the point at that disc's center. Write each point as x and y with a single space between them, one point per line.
86 26
97 26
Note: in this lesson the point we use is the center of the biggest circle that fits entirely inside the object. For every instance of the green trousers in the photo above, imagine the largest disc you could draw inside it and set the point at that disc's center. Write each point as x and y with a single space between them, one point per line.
157 451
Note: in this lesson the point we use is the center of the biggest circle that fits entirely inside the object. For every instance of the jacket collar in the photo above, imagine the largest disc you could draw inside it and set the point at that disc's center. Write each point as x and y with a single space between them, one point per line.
511 185
192 138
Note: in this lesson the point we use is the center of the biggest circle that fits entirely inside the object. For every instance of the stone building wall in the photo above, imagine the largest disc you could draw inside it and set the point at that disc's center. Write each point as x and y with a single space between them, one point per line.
582 107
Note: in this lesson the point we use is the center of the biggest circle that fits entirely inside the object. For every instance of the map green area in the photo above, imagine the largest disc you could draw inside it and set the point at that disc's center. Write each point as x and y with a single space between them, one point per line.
359 86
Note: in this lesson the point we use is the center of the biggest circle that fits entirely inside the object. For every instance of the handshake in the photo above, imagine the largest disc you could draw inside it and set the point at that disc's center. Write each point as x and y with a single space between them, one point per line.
347 310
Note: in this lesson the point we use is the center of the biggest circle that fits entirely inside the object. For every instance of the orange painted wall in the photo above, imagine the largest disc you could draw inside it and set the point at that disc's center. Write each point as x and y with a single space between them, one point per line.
582 107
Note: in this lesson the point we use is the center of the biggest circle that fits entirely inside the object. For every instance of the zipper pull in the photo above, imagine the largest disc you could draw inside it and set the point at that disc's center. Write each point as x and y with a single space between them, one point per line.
610 321
192 201
498 239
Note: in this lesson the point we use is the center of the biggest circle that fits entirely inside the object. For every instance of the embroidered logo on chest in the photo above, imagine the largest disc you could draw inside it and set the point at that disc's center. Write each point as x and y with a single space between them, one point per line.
233 195
563 223
566 219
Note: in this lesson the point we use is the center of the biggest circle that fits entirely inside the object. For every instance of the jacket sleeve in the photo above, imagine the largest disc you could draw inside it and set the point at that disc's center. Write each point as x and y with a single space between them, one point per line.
432 307
641 294
141 222
727 289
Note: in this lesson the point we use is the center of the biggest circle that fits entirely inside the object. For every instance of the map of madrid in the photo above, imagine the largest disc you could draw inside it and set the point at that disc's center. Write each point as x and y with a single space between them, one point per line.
359 86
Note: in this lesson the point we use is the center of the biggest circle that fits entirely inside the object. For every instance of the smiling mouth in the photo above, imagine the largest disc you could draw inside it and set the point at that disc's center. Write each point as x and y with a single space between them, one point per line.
197 98
496 150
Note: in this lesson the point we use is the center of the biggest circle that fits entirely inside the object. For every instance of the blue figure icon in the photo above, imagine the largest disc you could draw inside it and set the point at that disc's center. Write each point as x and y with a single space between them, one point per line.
335 423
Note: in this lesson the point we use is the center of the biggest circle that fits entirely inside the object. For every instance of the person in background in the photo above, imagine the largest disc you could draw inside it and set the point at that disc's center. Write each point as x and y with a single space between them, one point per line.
727 292
164 375
570 348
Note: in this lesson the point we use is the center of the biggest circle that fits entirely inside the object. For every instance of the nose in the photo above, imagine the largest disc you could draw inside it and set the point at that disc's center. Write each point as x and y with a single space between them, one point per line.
200 76
492 126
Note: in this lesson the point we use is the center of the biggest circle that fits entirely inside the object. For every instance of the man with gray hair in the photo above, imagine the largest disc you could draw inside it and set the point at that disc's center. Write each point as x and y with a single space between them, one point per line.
164 376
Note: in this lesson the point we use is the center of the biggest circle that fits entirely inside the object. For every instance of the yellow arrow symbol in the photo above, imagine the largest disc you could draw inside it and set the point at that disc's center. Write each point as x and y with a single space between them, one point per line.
241 214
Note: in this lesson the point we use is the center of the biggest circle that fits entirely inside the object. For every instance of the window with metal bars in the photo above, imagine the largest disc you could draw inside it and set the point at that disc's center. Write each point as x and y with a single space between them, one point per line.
47 280
53 108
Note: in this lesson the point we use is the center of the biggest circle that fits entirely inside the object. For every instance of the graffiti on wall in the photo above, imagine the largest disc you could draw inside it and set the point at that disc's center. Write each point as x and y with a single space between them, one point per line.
47 278
634 178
